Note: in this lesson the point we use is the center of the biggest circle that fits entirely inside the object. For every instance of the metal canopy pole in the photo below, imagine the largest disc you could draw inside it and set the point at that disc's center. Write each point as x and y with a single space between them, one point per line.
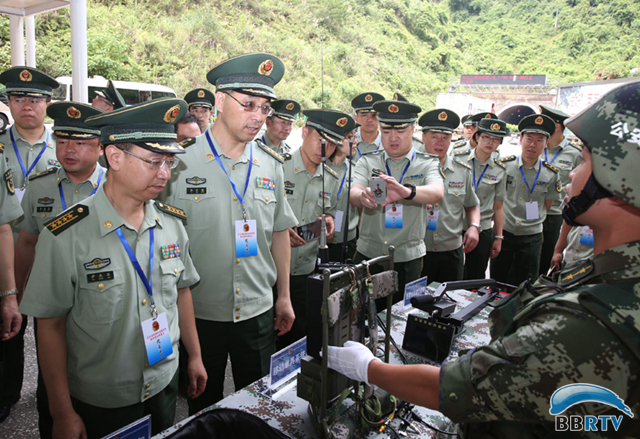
79 50
30 27
16 26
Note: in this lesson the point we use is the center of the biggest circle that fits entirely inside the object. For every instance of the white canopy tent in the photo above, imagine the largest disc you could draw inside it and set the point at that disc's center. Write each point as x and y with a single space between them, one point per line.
22 17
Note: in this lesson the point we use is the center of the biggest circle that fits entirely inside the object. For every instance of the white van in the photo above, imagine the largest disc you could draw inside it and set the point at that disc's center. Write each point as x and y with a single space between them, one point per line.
5 117
132 92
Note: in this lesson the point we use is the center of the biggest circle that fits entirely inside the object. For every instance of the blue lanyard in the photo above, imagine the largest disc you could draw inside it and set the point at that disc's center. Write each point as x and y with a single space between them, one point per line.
64 204
534 181
148 285
405 169
343 178
476 184
379 145
33 165
233 185
546 159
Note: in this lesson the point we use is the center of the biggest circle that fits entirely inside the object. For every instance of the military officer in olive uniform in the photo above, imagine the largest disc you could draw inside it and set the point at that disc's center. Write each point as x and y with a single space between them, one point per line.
574 245
28 149
417 144
110 286
232 188
577 329
279 125
304 175
109 98
532 186
489 183
470 127
201 102
342 162
53 191
368 120
565 156
444 260
413 180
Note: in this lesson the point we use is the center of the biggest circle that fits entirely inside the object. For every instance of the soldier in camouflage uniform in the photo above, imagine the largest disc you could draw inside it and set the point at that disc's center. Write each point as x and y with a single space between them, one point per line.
581 326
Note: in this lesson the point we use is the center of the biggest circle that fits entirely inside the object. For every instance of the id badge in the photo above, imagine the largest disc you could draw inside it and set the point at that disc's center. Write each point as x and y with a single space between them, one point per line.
157 339
587 236
393 216
246 238
20 193
432 219
338 220
532 210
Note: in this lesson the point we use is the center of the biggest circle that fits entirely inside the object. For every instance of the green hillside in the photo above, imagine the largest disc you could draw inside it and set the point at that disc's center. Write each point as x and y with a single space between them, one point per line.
411 46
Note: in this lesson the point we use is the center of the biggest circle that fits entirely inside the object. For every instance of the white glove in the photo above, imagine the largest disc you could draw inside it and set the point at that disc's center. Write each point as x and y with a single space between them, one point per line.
352 360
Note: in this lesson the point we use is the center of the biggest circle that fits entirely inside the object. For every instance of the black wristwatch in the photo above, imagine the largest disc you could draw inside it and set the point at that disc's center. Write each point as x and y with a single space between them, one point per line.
413 191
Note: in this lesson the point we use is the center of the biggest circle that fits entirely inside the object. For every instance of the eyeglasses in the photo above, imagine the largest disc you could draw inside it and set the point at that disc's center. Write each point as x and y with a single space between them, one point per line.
32 101
155 165
284 123
491 139
251 107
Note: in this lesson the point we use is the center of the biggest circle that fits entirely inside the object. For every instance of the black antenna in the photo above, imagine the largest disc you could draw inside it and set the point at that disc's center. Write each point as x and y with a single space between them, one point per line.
345 238
323 250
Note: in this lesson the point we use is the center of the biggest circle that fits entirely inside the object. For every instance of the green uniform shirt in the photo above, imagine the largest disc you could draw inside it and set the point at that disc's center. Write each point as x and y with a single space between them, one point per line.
408 241
282 149
418 145
9 205
568 157
231 288
458 194
548 187
343 189
491 187
576 250
42 203
304 194
85 274
364 147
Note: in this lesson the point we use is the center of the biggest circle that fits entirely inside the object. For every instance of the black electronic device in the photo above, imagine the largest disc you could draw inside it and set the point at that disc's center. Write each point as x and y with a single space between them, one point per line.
310 230
432 336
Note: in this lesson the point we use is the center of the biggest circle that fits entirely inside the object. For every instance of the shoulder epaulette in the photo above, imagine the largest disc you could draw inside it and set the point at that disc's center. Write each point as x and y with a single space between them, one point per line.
3 131
576 146
461 163
506 159
174 211
499 163
418 140
372 152
550 166
465 151
270 151
331 171
43 173
187 142
286 156
441 171
66 219
459 143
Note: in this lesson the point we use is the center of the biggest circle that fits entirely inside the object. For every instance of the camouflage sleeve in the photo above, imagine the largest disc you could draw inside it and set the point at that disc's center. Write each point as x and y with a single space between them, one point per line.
514 377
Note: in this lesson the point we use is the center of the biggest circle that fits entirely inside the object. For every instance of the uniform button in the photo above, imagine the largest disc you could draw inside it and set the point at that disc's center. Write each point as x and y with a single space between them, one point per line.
435 234
453 397
577 249
522 185
238 261
43 215
237 290
385 242
437 204
300 256
175 270
209 156
138 239
520 198
80 210
517 222
302 219
95 184
516 233
306 201
101 286
384 254
31 149
237 308
237 316
108 224
144 301
196 198
294 272
146 394
233 168
147 386
266 199
397 168
77 191
235 198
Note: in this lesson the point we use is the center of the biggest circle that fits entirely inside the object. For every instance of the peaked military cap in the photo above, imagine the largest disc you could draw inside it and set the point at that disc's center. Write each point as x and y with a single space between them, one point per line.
200 97
112 95
398 97
609 129
557 115
484 115
149 125
363 103
285 109
351 124
69 120
466 120
331 124
439 120
495 127
27 81
537 123
396 114
252 73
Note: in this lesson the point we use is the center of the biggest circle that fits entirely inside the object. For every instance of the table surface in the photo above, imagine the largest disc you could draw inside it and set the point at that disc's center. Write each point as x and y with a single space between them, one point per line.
291 414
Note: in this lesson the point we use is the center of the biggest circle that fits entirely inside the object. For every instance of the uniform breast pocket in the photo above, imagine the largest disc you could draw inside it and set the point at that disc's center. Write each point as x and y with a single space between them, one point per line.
542 188
43 215
171 271
197 201
101 296
456 191
266 201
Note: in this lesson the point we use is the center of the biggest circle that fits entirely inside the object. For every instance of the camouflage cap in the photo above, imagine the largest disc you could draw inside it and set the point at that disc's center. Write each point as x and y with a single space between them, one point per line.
557 115
495 127
331 124
27 81
537 123
363 103
439 120
285 109
610 128
112 95
200 97
149 125
252 73
396 114
69 120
